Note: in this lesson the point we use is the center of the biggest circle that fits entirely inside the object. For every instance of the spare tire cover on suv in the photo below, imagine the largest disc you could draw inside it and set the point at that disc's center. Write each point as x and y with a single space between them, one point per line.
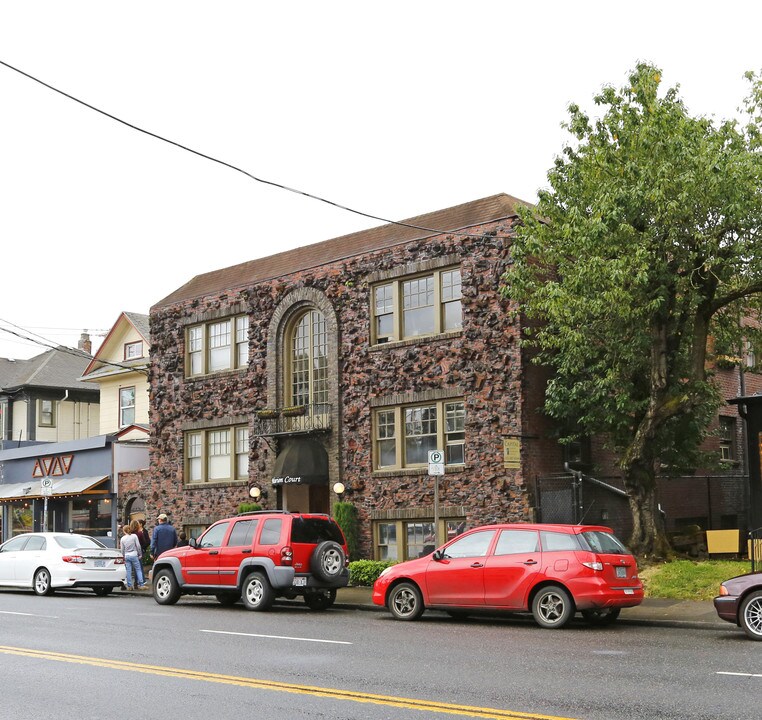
327 562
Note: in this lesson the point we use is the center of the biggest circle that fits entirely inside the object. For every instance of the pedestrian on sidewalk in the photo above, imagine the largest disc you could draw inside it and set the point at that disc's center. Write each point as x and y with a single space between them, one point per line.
164 536
132 555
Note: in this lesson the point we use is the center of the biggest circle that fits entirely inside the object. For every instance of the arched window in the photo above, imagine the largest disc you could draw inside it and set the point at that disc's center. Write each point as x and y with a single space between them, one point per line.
309 361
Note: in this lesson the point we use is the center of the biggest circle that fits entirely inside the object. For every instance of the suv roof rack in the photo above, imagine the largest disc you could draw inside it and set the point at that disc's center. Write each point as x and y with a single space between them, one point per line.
264 512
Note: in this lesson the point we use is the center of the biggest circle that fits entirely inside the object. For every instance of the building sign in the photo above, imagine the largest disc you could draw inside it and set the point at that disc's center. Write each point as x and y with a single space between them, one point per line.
56 466
511 454
287 480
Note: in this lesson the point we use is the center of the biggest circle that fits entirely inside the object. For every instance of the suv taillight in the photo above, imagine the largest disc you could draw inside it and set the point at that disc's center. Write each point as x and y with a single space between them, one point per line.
286 555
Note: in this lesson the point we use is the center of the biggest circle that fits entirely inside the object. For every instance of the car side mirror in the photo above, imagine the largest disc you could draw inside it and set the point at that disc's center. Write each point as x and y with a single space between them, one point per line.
437 555
192 542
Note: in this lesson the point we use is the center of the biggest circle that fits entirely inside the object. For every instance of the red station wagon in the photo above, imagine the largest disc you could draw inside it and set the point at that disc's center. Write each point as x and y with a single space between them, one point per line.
551 571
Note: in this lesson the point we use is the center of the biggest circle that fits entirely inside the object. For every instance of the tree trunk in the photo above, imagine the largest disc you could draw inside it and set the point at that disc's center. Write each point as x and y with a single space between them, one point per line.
649 537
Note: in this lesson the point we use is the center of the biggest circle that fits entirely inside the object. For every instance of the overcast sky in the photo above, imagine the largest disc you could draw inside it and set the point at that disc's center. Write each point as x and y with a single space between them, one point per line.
393 108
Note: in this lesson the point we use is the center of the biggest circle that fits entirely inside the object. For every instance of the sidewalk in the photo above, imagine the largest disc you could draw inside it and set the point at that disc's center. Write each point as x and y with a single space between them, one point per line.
652 611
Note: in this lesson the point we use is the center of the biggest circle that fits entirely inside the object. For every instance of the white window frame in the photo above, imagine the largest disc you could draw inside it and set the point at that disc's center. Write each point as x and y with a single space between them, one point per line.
124 406
133 350
389 299
217 346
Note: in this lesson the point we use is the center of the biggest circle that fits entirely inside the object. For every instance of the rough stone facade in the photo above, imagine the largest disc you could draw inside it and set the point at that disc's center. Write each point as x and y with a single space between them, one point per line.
482 364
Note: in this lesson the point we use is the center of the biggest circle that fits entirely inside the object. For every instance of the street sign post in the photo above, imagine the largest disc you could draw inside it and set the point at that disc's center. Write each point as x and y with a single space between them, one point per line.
46 489
436 468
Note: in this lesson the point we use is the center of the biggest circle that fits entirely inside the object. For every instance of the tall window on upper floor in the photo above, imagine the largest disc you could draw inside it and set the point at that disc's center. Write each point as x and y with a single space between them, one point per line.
403 436
217 346
727 438
308 361
47 413
126 406
418 306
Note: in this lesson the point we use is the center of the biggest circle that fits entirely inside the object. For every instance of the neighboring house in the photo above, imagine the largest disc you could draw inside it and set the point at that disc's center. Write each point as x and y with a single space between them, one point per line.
332 371
120 370
42 400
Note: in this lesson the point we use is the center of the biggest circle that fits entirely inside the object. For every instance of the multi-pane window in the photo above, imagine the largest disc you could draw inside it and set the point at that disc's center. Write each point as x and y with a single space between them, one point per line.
727 438
126 406
133 350
47 413
309 361
217 346
417 307
217 454
408 539
404 436
242 451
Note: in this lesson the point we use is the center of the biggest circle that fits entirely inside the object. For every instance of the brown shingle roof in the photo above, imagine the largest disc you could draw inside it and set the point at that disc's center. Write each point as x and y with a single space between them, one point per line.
451 219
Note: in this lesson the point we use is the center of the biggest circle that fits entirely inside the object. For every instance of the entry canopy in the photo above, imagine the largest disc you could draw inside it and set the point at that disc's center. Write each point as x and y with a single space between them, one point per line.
302 461
64 486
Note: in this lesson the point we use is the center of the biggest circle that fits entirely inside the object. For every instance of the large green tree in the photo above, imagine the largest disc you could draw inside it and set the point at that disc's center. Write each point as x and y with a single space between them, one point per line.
643 255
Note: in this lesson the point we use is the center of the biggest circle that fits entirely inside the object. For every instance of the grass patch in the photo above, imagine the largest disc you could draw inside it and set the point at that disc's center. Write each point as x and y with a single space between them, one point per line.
690 579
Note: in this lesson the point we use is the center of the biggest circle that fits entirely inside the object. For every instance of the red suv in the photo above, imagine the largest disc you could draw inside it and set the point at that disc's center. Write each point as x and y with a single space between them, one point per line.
551 571
257 557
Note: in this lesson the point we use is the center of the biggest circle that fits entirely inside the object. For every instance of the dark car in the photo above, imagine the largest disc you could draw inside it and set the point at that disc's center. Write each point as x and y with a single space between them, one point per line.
552 571
255 558
740 602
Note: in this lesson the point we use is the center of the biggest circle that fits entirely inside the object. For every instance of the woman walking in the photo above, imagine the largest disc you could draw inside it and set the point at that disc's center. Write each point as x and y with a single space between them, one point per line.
132 555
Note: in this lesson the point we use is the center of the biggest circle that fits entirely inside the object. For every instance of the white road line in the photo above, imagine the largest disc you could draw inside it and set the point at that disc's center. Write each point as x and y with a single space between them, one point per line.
278 637
8 612
757 675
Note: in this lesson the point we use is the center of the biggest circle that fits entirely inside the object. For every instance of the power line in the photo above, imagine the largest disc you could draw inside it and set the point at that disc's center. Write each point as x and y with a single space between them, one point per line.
238 169
44 342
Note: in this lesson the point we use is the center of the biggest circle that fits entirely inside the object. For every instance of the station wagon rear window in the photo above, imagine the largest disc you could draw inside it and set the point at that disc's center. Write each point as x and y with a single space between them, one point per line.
603 542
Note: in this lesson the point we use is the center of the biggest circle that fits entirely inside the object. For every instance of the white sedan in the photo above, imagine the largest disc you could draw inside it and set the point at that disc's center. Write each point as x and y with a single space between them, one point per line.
48 560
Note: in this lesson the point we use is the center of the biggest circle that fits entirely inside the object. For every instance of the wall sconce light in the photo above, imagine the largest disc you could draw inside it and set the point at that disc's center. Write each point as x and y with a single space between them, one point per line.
339 488
255 492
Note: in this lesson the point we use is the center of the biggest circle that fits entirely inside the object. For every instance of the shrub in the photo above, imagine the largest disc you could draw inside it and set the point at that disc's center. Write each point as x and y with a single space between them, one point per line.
366 572
246 507
345 514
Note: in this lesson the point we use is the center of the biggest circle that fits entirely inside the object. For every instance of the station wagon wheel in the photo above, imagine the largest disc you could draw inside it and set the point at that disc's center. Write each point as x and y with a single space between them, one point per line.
750 615
166 590
42 582
328 560
405 602
552 607
257 593
601 616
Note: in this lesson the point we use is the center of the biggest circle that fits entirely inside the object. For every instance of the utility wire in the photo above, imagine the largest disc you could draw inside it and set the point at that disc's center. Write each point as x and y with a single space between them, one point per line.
241 170
69 351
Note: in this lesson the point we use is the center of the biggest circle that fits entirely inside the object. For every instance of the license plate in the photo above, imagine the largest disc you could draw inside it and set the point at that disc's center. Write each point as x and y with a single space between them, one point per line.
300 581
621 572
629 591
100 563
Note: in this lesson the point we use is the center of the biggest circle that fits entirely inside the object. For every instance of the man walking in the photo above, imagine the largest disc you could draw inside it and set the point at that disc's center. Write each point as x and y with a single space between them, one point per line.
164 537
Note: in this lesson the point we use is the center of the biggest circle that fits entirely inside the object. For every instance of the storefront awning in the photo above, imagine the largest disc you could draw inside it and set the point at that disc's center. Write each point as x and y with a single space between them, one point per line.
62 486
301 461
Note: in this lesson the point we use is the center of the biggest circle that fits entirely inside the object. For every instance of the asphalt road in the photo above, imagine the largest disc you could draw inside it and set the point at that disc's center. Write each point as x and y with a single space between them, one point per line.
74 655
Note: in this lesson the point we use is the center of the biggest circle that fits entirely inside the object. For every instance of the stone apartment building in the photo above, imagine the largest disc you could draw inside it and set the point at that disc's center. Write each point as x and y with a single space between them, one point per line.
346 362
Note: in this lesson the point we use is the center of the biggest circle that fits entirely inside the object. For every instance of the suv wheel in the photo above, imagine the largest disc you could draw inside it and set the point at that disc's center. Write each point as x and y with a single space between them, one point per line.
320 599
257 593
166 590
328 561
